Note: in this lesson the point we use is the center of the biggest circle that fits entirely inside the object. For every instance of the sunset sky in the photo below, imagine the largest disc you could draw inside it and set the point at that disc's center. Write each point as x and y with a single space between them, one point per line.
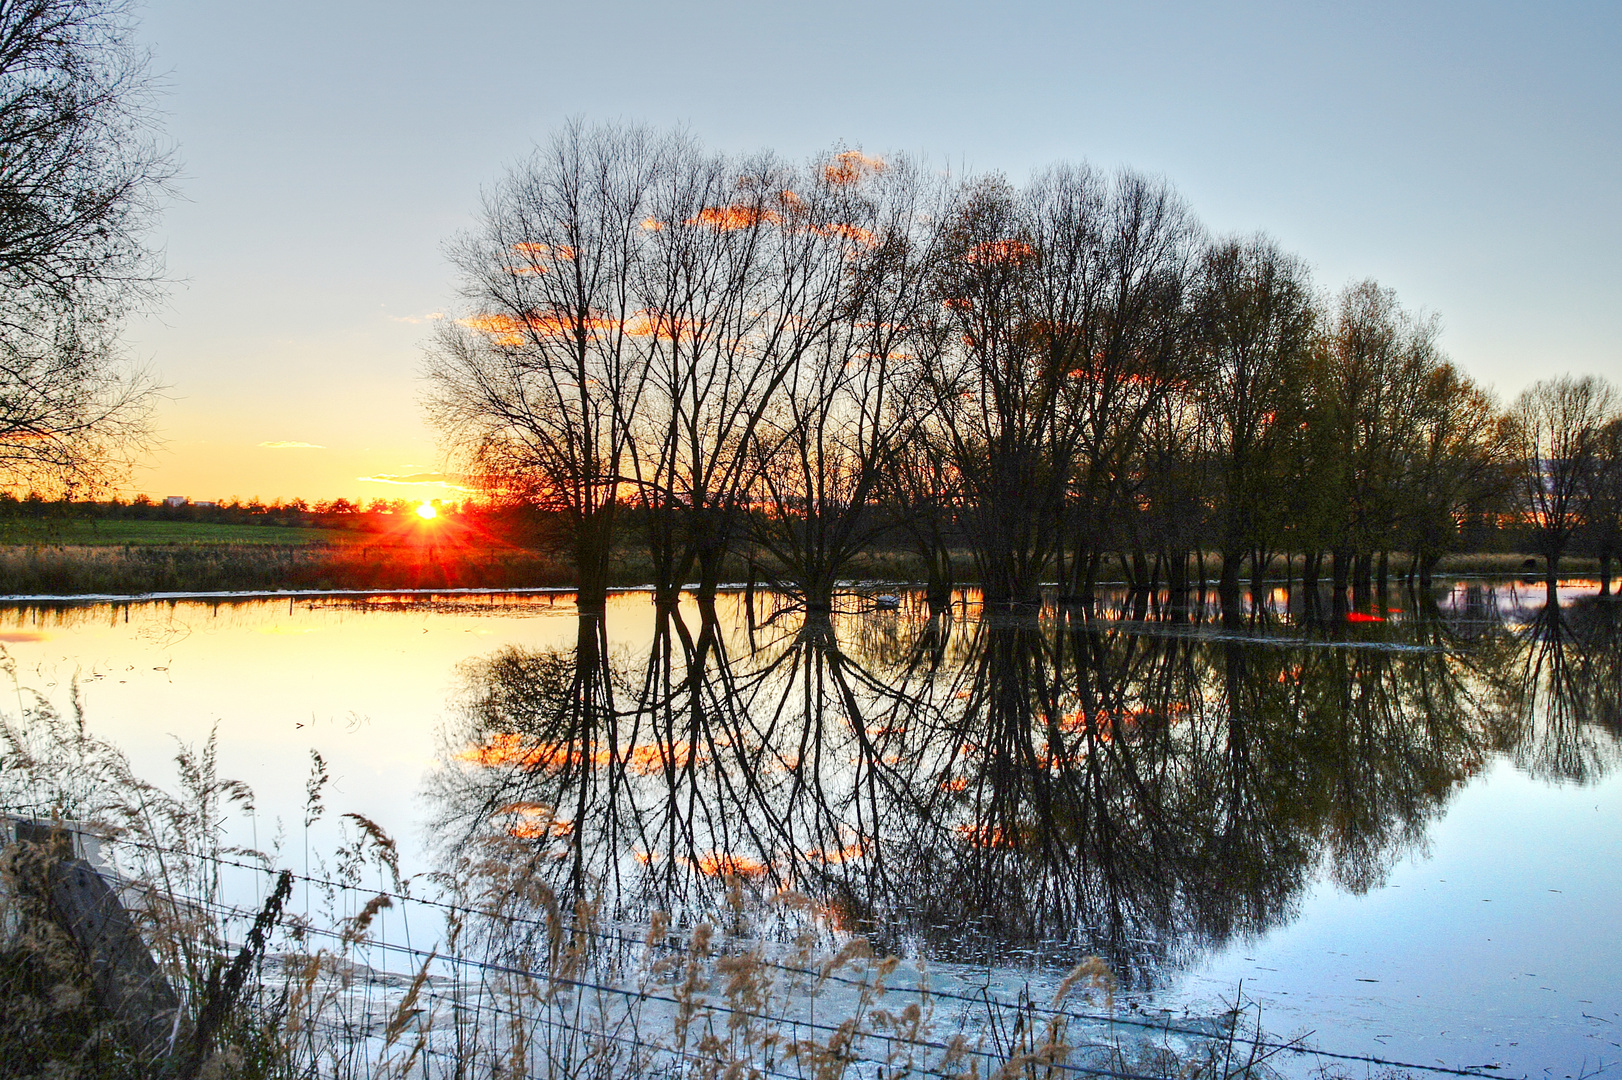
1467 154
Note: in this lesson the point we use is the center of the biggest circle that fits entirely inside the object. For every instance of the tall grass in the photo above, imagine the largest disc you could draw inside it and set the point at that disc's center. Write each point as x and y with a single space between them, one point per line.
504 980
78 570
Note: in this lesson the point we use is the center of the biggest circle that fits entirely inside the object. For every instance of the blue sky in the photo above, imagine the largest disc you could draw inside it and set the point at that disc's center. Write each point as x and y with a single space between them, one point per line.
1468 155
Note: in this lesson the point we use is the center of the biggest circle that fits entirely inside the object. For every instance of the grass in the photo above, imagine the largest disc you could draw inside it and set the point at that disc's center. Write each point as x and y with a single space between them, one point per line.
380 565
116 557
117 533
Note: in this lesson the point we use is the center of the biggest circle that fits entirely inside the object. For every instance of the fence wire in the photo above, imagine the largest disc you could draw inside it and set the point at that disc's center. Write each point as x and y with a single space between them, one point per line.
1261 1049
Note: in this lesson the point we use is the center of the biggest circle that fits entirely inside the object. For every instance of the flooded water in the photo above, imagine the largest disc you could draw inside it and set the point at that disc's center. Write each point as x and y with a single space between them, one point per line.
1401 832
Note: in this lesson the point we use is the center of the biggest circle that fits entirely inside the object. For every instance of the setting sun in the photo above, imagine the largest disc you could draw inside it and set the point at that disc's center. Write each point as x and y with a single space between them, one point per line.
427 512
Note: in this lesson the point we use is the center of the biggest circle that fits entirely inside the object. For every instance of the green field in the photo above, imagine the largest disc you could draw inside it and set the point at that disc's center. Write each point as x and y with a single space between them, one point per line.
118 533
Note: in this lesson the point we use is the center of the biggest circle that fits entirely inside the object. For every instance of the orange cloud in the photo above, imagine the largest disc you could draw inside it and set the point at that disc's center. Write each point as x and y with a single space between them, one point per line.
736 216
849 232
511 331
1000 251
507 748
851 166
562 252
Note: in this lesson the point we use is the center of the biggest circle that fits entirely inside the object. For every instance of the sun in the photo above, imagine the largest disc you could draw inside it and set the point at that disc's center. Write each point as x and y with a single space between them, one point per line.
427 512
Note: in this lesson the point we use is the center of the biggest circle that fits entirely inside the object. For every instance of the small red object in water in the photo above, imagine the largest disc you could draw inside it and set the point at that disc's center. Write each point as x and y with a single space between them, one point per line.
1358 616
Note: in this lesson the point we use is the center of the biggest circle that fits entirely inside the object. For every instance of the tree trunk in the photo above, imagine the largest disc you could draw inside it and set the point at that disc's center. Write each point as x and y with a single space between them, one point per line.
1426 568
592 540
1311 565
1229 581
1342 571
710 557
1089 584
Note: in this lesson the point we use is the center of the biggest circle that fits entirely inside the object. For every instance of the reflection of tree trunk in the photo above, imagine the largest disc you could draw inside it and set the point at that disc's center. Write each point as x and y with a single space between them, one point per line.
1605 573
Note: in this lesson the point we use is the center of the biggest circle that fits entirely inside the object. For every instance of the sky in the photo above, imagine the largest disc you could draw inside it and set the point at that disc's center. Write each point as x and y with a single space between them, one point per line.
1468 155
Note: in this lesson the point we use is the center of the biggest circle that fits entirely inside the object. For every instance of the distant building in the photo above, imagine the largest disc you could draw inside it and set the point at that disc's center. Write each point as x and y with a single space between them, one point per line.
175 500
205 504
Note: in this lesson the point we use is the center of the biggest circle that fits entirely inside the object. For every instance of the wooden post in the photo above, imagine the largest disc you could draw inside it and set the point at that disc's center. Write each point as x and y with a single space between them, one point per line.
127 981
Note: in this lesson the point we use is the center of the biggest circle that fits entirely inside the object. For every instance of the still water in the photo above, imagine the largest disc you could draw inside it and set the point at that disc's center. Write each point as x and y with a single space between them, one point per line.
1402 833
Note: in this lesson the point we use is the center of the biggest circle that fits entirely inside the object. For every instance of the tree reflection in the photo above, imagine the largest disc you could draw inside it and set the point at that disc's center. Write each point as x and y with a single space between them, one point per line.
1062 784
1561 719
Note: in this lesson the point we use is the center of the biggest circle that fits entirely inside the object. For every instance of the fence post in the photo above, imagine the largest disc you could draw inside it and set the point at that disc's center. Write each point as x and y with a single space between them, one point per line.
127 981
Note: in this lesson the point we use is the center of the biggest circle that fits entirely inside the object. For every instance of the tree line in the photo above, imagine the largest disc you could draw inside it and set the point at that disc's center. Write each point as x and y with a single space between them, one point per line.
794 357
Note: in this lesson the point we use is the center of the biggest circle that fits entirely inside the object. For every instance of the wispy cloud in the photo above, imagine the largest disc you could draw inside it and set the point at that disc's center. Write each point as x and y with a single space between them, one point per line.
448 480
414 320
284 444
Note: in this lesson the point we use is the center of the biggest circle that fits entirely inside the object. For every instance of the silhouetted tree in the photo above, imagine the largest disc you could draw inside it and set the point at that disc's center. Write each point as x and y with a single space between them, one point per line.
81 174
1255 329
1604 500
536 388
1558 439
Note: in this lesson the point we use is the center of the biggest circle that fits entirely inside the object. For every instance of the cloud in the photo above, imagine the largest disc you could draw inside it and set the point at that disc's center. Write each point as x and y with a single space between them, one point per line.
448 480
283 444
416 320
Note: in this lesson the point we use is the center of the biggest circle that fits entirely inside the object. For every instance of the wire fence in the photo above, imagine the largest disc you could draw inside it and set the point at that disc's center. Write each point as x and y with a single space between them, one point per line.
649 994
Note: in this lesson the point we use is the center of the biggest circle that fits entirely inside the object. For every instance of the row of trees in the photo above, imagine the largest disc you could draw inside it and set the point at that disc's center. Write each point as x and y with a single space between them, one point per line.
802 355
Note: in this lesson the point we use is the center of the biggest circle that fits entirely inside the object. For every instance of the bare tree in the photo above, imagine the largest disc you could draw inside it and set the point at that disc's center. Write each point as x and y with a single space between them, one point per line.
1369 390
81 174
742 292
1256 327
1459 467
1558 441
1604 499
1116 288
536 389
826 444
996 395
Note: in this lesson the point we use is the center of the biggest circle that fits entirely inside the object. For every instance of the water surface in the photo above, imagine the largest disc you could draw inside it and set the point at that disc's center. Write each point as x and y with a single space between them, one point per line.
1401 832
